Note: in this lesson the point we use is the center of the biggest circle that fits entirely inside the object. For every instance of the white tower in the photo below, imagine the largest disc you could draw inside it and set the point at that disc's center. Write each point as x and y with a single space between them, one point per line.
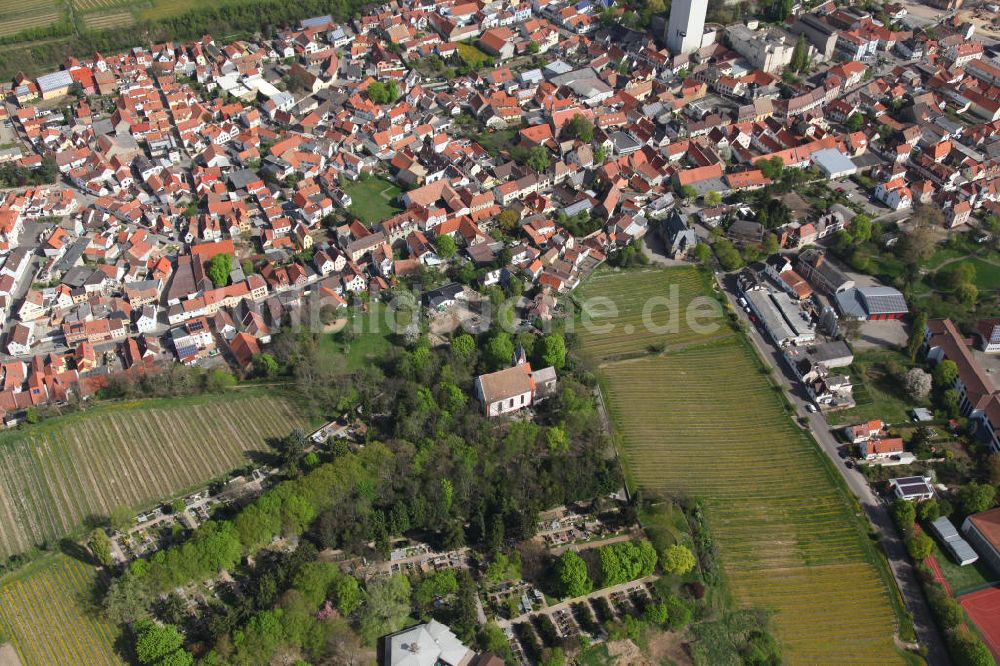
686 25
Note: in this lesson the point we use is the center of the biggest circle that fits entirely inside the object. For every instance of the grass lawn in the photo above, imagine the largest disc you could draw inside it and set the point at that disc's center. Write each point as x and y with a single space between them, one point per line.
987 274
665 525
940 256
473 57
596 655
963 579
494 142
373 199
369 338
876 393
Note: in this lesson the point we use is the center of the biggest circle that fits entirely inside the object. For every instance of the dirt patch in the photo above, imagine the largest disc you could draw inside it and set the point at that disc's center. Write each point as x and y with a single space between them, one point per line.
8 657
668 647
334 325
627 653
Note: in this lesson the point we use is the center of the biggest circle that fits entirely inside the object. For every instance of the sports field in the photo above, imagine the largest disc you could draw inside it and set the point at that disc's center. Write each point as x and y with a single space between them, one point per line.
66 470
702 419
45 612
984 609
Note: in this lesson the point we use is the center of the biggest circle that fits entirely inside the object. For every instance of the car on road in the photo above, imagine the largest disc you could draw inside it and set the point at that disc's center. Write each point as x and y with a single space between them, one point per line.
811 408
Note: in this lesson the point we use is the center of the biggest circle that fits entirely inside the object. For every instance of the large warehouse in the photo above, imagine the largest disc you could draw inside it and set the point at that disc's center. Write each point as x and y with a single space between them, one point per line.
872 303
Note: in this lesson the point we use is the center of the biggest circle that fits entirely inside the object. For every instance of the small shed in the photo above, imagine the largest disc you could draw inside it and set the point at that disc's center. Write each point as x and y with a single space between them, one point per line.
958 548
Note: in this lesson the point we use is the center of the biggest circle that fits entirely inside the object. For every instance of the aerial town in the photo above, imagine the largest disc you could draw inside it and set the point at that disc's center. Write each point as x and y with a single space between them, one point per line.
481 333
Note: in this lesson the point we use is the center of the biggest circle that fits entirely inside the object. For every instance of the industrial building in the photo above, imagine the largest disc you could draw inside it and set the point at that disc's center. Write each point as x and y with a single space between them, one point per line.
783 319
872 304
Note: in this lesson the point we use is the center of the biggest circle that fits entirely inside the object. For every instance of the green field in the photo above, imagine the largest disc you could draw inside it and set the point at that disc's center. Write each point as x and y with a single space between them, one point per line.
703 420
373 199
44 612
364 339
626 301
963 580
64 471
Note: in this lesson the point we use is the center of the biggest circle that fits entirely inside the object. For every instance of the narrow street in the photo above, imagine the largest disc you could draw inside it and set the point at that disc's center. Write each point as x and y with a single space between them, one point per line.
876 510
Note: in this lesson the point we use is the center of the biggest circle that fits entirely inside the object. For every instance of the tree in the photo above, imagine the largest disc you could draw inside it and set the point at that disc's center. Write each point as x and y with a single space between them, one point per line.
656 613
975 498
727 254
919 546
219 268
917 383
679 613
557 439
155 643
265 365
771 168
712 198
100 547
551 351
386 607
579 127
967 294
508 220
677 560
771 245
538 159
780 10
463 348
121 518
967 649
499 351
904 514
291 448
945 373
861 228
445 246
950 401
917 335
702 253
383 93
915 246
928 511
855 121
800 56
686 192
348 595
533 47
554 656
572 579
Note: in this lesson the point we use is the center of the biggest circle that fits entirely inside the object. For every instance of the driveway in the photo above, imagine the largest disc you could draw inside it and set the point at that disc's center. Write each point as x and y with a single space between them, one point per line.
876 510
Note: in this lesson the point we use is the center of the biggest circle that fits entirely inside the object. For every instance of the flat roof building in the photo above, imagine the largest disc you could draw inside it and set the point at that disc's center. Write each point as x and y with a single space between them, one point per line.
912 488
834 163
957 547
784 320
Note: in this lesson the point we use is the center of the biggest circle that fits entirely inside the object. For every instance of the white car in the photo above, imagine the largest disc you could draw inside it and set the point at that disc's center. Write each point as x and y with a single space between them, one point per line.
811 408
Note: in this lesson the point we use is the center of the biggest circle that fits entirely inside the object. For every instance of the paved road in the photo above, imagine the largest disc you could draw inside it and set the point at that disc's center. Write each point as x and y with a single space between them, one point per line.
876 510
